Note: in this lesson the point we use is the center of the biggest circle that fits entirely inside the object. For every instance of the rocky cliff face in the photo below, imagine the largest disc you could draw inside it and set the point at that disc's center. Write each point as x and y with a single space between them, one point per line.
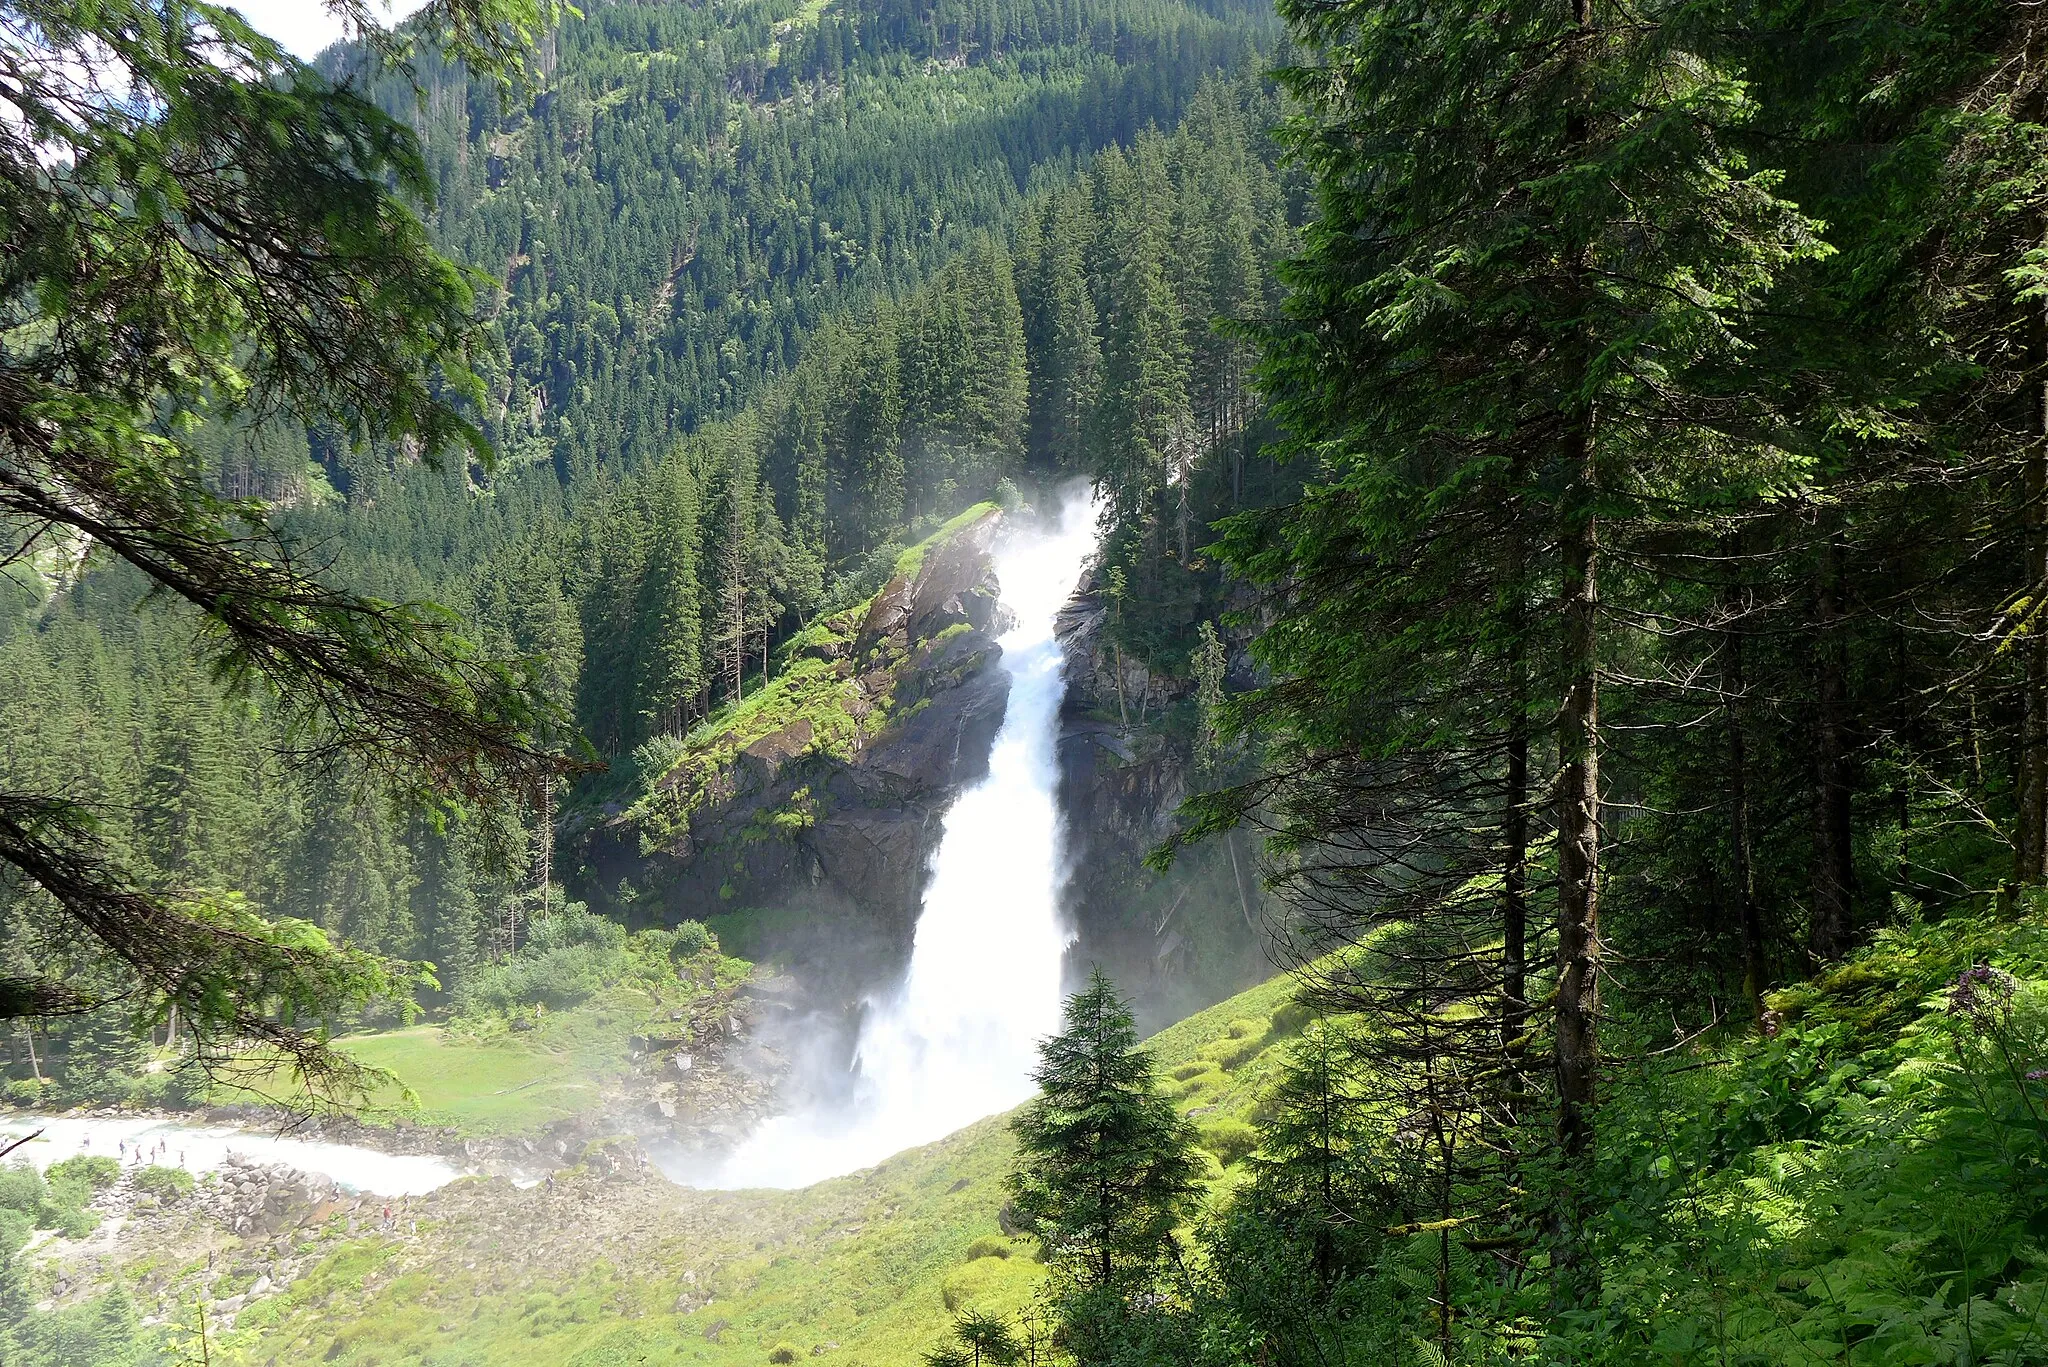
1176 942
815 810
804 825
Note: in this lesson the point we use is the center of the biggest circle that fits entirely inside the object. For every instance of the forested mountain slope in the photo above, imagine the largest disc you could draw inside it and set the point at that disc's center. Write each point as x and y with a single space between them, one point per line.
782 292
608 1263
692 190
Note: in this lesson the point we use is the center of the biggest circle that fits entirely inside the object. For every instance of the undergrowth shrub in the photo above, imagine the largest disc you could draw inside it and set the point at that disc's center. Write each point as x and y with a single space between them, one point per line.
573 954
167 1184
58 1205
1836 1195
1231 1140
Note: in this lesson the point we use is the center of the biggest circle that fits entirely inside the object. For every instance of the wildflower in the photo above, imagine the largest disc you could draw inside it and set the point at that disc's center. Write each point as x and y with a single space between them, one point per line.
1981 995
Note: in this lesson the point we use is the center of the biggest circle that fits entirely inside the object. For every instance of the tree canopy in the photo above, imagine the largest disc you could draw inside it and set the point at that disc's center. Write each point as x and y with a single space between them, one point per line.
201 227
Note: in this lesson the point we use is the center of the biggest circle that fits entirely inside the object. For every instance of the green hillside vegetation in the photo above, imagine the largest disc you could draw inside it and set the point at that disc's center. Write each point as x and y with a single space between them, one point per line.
505 1084
692 191
875 1263
807 684
539 1035
1862 1181
1769 1193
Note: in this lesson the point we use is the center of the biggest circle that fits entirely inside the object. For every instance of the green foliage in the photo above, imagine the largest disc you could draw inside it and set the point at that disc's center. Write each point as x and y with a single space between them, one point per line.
573 954
16 1228
1661 379
350 320
22 1189
58 1203
1229 1140
692 938
686 213
1108 1173
166 1184
987 1339
102 1332
83 1173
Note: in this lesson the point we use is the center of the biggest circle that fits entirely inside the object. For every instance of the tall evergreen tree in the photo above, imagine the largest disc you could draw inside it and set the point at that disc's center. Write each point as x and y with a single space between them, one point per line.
863 454
1062 341
1141 427
670 676
1489 356
1108 1171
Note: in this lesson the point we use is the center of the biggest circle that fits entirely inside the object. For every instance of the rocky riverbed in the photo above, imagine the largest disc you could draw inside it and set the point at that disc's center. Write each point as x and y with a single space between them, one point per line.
242 1232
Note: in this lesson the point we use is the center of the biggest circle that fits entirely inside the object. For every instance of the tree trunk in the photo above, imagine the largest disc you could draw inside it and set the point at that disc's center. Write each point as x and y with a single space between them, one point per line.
1514 895
544 851
2030 839
1733 687
2030 834
1833 857
1576 1046
1578 869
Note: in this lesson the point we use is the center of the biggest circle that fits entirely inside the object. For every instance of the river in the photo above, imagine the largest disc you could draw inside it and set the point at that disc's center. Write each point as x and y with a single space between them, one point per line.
198 1148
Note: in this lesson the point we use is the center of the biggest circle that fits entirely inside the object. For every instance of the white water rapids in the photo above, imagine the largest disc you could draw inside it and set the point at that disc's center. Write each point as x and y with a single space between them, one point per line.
198 1148
958 1038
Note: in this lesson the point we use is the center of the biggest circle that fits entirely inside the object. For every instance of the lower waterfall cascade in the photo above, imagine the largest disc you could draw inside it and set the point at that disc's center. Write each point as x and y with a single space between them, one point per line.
957 1039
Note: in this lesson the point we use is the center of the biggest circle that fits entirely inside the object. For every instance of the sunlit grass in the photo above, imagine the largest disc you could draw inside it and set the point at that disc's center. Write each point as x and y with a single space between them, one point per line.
487 1083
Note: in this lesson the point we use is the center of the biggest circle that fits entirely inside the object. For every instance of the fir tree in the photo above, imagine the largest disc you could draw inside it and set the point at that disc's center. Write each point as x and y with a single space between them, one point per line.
1065 352
1108 1169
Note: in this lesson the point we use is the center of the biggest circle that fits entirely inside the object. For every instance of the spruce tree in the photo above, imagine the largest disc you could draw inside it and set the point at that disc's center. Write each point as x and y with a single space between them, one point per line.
1141 427
1501 355
1063 345
669 625
864 454
1108 1170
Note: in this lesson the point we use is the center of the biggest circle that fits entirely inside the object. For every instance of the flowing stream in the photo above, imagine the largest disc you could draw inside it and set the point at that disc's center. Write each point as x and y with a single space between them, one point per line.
137 1140
958 1038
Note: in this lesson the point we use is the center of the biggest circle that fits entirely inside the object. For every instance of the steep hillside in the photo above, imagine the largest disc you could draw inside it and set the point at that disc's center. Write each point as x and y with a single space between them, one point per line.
692 189
649 584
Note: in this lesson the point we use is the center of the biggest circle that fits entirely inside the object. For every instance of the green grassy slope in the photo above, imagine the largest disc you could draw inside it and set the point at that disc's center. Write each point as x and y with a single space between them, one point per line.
599 1270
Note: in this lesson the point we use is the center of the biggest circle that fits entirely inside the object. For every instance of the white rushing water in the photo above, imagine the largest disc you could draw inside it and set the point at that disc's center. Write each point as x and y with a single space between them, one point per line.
958 1038
138 1140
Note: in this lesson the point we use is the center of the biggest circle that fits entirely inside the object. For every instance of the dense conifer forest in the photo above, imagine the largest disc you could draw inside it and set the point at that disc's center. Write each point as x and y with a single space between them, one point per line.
1651 748
716 414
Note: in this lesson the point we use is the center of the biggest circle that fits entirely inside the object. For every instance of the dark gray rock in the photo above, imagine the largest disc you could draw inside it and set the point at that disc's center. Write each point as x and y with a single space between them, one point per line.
887 616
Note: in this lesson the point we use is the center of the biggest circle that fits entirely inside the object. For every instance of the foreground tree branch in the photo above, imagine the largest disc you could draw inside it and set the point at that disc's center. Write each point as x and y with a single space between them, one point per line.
200 227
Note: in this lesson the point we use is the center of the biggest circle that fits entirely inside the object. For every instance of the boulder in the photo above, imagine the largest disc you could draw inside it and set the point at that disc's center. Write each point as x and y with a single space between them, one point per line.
766 756
882 749
951 571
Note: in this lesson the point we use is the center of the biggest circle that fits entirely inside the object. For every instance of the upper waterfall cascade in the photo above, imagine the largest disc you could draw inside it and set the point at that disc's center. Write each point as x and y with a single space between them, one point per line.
956 1040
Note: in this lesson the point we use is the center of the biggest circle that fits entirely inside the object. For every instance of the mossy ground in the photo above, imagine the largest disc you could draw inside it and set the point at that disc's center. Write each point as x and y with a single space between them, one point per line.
488 1078
511 1081
804 688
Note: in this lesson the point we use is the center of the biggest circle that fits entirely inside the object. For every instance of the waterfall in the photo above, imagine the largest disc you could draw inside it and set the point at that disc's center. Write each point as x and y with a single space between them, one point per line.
957 1039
